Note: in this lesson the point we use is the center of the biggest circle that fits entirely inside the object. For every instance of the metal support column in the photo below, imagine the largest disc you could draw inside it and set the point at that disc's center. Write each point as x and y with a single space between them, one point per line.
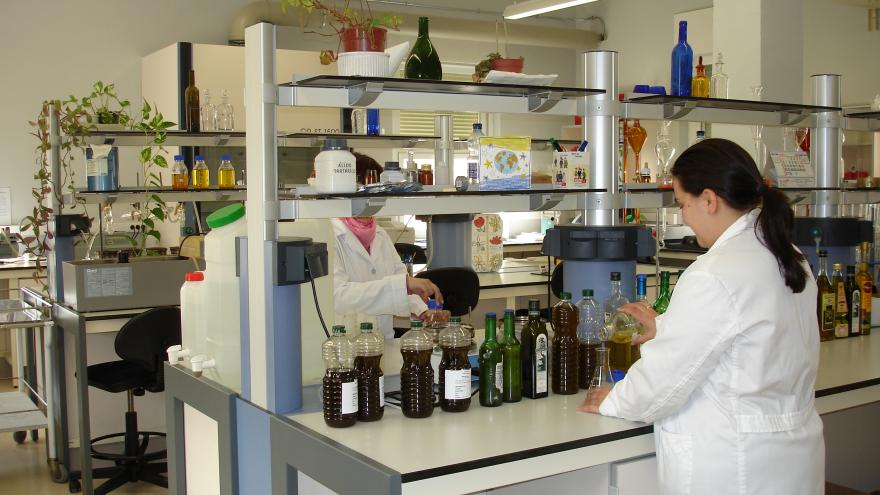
825 145
601 130
444 153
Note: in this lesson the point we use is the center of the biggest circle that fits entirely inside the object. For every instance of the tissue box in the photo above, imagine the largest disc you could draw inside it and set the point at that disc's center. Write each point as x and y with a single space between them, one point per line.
571 170
487 249
506 163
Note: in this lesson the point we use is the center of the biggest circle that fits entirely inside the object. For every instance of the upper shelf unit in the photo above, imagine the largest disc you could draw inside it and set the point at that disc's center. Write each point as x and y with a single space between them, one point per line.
130 195
863 121
722 110
408 94
237 138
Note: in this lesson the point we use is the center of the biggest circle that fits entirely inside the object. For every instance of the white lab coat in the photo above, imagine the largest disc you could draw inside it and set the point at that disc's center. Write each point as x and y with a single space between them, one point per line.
370 286
729 379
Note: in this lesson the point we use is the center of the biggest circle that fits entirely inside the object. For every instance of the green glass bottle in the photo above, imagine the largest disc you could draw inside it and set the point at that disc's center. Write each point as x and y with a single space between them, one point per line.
490 366
423 61
512 368
662 301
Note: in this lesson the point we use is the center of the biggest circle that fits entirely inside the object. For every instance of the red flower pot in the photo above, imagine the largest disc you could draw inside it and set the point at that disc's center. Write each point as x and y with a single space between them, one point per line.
508 64
363 40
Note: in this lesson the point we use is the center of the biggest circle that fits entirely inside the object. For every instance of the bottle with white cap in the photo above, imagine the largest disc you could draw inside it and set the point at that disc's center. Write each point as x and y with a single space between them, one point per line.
335 168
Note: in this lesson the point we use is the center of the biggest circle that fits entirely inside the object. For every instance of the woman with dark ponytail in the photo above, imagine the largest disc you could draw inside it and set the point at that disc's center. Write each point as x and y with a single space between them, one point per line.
727 374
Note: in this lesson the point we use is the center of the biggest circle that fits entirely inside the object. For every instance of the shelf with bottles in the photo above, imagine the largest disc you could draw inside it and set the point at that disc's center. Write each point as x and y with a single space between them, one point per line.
237 139
837 196
722 110
410 94
537 144
129 195
303 204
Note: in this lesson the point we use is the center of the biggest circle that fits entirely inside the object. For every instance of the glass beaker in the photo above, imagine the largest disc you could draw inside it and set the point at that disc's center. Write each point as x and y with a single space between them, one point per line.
602 376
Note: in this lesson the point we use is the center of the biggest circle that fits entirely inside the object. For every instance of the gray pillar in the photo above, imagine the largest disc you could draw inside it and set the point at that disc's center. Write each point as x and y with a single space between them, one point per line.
600 72
825 146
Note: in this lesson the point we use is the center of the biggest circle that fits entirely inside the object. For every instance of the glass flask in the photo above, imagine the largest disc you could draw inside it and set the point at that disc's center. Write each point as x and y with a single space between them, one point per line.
602 377
368 349
340 390
455 368
416 374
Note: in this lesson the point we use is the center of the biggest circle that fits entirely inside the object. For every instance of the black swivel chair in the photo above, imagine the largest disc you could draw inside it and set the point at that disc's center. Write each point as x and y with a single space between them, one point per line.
142 344
417 253
460 288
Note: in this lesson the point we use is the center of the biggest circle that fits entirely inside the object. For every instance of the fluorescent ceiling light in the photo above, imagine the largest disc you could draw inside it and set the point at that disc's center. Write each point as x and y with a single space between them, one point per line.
537 7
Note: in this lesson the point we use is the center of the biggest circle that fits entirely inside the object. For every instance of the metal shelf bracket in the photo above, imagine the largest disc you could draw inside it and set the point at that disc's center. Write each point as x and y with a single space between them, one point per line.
221 139
543 101
363 94
673 111
544 202
792 118
366 207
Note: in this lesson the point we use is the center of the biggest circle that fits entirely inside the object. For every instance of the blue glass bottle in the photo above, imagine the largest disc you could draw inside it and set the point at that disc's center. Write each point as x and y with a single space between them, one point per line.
682 63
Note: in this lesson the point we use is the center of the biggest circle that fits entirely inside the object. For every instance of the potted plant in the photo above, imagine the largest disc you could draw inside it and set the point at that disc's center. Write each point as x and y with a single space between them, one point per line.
494 61
358 30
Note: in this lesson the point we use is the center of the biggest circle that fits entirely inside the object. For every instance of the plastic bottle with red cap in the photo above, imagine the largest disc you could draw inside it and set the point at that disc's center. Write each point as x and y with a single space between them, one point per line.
193 294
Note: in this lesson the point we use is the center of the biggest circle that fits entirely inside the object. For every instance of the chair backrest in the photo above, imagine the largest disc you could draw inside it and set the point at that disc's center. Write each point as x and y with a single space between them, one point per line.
460 288
556 280
417 252
144 339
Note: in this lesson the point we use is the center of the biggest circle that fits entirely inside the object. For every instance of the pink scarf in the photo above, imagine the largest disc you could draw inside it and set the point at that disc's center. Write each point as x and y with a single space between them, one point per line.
362 228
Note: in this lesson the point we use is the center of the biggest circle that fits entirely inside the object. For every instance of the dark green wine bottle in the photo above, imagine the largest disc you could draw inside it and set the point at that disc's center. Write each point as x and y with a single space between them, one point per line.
490 366
510 351
423 61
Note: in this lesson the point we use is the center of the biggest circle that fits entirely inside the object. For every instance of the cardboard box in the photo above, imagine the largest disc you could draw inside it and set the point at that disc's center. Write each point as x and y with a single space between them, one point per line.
505 163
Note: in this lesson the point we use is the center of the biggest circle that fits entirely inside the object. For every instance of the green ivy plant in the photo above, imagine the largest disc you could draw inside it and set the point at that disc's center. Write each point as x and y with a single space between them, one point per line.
342 17
78 118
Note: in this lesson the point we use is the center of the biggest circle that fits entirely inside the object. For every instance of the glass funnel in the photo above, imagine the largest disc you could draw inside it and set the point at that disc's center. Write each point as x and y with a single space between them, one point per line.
635 136
665 151
760 147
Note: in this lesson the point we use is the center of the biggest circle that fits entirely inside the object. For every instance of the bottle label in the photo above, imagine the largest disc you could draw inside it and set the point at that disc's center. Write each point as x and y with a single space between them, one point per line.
855 311
458 384
865 313
541 364
97 167
499 376
828 309
473 170
349 397
382 391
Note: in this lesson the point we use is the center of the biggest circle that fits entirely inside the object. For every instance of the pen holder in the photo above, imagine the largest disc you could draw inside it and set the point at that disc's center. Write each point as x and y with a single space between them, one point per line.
571 170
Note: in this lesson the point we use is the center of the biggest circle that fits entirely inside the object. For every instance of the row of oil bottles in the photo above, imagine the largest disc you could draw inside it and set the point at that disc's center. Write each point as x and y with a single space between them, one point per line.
201 176
589 348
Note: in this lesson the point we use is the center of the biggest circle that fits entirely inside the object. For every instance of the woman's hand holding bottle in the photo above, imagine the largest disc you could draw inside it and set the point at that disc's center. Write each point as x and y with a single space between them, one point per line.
645 315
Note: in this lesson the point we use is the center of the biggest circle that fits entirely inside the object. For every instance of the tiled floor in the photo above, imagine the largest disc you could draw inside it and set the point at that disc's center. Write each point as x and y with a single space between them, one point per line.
23 468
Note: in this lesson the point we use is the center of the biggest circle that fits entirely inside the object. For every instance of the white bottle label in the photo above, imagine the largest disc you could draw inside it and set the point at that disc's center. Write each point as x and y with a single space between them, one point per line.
349 397
499 375
382 391
855 311
458 384
473 170
97 167
541 364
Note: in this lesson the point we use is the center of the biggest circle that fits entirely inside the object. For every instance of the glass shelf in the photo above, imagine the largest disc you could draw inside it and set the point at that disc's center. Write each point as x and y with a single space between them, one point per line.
129 195
237 138
874 114
728 104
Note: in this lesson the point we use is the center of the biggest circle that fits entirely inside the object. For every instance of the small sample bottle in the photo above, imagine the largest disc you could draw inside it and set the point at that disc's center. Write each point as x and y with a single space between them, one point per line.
179 174
700 83
426 176
201 177
340 390
208 113
718 84
226 173
225 114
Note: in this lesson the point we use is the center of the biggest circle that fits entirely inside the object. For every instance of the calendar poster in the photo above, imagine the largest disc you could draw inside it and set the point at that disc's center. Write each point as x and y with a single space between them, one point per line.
793 169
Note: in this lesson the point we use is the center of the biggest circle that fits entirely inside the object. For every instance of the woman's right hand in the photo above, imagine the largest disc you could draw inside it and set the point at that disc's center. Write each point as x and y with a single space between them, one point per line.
423 288
645 315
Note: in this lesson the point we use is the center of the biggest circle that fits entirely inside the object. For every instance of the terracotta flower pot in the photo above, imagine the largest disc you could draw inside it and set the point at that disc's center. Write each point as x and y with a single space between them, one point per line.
508 64
363 40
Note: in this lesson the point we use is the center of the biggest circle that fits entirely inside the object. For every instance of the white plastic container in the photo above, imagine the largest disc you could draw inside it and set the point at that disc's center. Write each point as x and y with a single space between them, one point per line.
192 313
369 64
222 302
335 168
391 173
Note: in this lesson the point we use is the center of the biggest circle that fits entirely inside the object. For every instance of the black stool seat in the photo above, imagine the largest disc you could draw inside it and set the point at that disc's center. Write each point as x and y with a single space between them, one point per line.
118 376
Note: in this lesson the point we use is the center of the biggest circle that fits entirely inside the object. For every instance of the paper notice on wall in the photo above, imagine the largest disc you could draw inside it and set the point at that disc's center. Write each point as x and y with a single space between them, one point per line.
5 206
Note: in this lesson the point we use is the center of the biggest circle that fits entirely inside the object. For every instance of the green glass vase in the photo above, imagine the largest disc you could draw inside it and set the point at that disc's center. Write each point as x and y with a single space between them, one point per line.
423 61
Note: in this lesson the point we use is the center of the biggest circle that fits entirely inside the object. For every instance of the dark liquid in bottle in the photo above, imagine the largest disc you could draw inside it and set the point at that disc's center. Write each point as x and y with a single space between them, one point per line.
417 384
332 394
530 368
368 372
564 376
454 358
586 364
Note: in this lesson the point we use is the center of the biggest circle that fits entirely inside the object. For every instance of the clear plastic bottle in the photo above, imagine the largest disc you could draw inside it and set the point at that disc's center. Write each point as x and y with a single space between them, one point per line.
590 324
340 390
225 119
473 157
616 299
416 374
226 173
564 366
179 174
208 113
201 177
368 349
455 368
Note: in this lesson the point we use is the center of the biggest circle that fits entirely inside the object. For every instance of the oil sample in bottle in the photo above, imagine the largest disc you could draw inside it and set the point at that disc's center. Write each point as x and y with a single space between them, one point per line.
368 349
535 354
490 366
416 374
511 351
455 368
564 375
179 174
226 173
589 336
340 390
191 104
825 304
201 177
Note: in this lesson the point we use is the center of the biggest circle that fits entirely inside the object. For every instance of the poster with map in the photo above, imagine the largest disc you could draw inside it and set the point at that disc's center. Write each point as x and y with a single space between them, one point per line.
505 163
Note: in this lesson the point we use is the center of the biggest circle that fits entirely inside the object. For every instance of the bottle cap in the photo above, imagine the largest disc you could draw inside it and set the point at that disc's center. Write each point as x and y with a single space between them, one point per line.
415 324
339 329
641 276
200 157
618 374
392 165
226 215
226 157
823 253
478 126
615 276
366 326
434 305
850 269
565 296
837 267
508 312
490 315
195 276
455 319
334 144
534 305
178 158
587 293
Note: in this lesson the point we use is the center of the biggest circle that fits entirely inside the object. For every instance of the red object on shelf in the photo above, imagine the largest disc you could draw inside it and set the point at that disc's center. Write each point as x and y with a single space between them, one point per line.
803 137
363 40
508 64
578 120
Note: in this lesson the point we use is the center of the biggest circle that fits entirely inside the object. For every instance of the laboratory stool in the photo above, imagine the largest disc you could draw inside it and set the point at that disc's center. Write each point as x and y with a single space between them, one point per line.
460 288
141 343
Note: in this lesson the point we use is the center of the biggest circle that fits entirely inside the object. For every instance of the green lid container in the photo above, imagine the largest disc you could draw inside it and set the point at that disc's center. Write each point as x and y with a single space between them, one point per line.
226 215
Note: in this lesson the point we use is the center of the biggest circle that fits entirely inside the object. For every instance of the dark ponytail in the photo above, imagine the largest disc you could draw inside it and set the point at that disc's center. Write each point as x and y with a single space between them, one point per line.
729 171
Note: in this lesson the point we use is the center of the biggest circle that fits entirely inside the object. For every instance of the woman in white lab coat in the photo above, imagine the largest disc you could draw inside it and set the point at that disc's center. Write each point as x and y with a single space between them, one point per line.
370 283
727 374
